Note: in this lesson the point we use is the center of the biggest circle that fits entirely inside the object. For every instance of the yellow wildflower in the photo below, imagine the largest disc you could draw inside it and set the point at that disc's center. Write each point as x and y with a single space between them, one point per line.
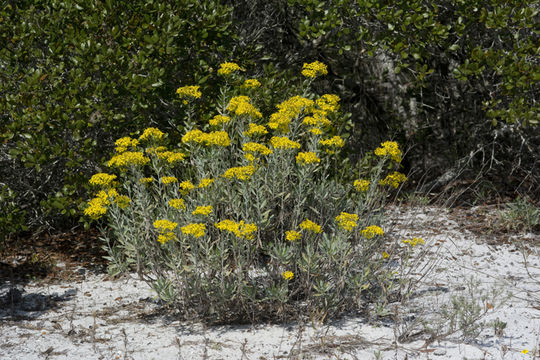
205 182
146 180
241 105
287 275
195 135
287 111
310 226
157 151
389 148
372 231
328 103
361 185
219 120
239 229
186 186
307 157
240 173
186 92
255 129
132 158
251 83
393 179
166 236
203 210
284 142
177 204
413 242
347 221
124 143
197 230
227 68
336 142
316 131
102 179
385 255
151 133
253 147
317 120
164 225
218 138
96 208
168 180
292 235
314 69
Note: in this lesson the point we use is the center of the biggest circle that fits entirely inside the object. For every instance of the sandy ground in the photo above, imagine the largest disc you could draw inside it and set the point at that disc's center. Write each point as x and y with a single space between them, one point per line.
99 318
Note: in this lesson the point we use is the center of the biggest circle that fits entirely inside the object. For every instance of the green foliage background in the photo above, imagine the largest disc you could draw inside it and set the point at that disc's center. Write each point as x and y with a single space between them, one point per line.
456 82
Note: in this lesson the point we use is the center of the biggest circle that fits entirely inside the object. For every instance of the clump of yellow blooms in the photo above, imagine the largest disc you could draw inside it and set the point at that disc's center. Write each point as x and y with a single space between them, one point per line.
252 147
361 185
309 225
251 83
194 229
287 111
239 229
314 69
189 92
228 68
165 228
205 182
146 180
102 179
219 120
186 186
172 157
347 221
255 129
307 157
128 158
168 180
413 242
335 142
240 172
218 138
203 210
96 208
151 134
389 148
287 275
283 142
177 204
292 235
328 103
372 231
393 179
155 150
241 106
124 143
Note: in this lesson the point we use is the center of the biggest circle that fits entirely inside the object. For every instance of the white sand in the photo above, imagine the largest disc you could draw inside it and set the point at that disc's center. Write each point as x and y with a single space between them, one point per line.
104 319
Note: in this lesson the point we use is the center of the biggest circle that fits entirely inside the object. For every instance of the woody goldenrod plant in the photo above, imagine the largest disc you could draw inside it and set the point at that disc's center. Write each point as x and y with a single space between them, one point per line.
247 217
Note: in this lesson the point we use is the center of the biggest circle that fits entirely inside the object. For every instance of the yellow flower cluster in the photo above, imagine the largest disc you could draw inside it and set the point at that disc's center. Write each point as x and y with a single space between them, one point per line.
283 142
314 69
194 229
168 180
335 142
102 179
255 129
189 92
146 180
292 235
172 157
227 68
287 275
241 105
413 242
219 120
186 186
317 121
128 158
165 228
205 182
287 111
328 103
372 231
155 150
347 221
124 143
307 157
218 138
252 147
310 226
361 185
251 83
240 172
393 179
239 229
177 204
203 210
151 134
96 208
389 148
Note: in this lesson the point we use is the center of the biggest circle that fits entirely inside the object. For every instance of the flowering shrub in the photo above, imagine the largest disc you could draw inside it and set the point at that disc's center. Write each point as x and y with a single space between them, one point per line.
249 220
